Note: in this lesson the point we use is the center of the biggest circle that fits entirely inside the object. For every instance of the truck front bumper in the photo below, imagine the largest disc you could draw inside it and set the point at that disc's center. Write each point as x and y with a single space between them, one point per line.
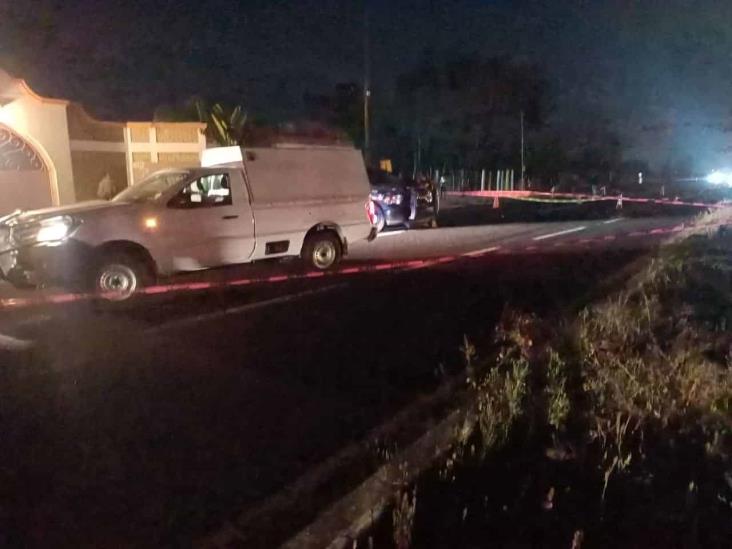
38 265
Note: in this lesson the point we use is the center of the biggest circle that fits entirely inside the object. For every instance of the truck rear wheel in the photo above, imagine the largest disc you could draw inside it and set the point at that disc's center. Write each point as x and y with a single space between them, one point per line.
322 250
118 276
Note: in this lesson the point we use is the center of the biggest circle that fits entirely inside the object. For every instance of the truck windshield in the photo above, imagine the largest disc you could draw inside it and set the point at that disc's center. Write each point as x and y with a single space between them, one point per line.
151 188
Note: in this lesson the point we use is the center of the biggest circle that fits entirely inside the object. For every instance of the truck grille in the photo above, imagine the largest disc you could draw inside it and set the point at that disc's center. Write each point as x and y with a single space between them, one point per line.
4 238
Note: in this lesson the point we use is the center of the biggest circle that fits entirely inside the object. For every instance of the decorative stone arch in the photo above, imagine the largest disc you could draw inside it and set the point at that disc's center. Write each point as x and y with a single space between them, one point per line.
24 162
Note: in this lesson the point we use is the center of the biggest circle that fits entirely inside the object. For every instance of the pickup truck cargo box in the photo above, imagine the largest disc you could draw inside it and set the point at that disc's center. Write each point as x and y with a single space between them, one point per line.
305 174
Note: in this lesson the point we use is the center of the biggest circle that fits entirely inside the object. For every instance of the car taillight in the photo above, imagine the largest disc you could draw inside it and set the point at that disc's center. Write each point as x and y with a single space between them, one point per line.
371 212
393 199
388 198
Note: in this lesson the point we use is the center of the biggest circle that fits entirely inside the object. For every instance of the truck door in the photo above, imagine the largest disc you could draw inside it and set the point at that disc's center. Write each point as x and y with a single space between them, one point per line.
209 222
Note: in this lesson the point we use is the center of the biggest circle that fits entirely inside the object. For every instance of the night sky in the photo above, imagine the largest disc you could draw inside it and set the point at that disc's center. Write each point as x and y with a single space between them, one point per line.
659 72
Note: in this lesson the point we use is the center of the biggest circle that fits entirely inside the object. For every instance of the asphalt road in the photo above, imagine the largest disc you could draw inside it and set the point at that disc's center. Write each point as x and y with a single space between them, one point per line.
148 425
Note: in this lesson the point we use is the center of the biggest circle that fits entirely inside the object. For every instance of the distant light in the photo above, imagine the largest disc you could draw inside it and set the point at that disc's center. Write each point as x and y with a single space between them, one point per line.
717 178
151 222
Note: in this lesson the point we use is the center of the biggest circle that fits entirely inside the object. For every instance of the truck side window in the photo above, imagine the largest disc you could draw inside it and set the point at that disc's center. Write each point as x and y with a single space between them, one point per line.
205 192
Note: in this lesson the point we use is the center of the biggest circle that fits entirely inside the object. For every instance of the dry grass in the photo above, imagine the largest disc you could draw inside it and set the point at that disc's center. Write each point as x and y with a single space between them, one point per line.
655 359
652 362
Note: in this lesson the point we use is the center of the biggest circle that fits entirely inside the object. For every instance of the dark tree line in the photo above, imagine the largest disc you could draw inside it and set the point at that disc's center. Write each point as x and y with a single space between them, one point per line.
465 113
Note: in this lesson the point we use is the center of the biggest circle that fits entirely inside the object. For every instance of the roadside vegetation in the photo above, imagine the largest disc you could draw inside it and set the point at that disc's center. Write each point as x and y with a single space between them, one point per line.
610 428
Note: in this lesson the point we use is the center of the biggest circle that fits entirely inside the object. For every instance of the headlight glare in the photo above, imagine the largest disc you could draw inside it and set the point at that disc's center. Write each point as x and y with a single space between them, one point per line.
53 229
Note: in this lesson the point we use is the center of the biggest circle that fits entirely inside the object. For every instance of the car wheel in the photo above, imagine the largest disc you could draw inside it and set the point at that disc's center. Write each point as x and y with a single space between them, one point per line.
433 223
322 250
380 220
117 277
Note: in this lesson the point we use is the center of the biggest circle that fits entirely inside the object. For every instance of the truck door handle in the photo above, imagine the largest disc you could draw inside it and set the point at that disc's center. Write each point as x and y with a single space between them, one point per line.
230 217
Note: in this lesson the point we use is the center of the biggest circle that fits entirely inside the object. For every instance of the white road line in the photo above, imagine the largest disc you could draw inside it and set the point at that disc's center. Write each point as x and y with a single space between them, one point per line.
14 344
481 252
243 308
611 220
560 233
389 233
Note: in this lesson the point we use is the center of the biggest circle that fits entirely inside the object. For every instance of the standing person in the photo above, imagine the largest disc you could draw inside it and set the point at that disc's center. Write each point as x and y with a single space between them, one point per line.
429 188
105 188
435 196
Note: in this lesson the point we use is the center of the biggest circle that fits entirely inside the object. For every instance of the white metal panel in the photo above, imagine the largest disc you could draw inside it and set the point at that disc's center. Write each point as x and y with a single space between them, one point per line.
196 238
305 174
217 156
292 221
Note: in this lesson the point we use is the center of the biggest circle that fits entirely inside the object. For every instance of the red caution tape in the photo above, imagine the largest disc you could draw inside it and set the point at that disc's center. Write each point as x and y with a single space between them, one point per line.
62 298
579 198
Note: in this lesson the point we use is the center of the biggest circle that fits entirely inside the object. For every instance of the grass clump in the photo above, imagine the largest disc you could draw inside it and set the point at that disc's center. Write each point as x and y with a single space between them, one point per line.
654 360
557 397
651 362
635 391
502 390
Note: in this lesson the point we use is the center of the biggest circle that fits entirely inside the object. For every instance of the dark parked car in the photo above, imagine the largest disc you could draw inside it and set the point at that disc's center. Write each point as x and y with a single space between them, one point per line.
403 202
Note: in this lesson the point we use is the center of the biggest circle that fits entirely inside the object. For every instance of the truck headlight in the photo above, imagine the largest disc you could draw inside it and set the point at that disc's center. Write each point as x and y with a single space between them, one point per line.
53 229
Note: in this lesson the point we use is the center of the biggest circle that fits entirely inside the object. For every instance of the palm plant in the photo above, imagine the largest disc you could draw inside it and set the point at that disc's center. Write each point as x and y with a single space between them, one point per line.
225 126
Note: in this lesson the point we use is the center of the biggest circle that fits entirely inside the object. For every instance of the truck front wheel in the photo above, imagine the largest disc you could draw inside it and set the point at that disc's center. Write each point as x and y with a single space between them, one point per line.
118 276
322 250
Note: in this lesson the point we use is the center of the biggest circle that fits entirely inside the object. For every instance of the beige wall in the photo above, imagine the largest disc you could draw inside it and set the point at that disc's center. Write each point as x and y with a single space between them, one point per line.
85 128
159 145
80 150
91 166
43 124
168 133
24 179
143 166
139 133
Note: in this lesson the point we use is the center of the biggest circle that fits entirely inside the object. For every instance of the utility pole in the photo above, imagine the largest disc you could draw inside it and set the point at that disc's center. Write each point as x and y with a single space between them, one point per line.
366 84
419 154
523 163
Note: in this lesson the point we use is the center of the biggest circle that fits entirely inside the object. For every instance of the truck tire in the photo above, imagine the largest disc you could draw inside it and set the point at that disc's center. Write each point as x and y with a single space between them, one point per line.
119 276
380 219
322 250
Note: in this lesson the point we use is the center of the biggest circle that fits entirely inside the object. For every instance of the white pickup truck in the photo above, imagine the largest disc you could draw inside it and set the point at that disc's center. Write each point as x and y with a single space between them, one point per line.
242 205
